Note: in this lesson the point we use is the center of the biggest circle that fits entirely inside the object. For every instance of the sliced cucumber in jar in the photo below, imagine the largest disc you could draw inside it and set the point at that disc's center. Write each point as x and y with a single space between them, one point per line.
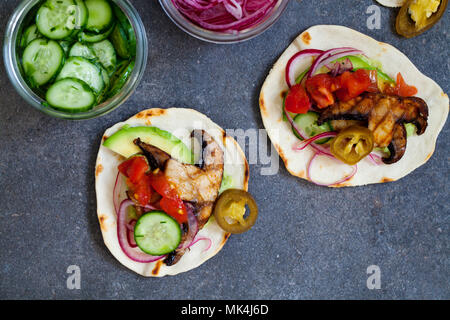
31 33
308 123
85 36
81 15
157 233
85 70
41 60
106 79
70 95
127 28
100 16
81 50
57 19
120 42
120 78
105 76
106 55
65 45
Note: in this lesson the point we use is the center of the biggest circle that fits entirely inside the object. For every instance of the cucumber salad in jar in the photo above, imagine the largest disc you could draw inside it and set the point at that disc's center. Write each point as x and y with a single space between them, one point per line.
76 54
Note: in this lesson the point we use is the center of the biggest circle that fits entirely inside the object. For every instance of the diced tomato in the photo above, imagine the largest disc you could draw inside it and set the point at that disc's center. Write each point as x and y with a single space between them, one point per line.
297 100
373 75
161 185
134 168
174 208
401 88
321 88
141 190
170 203
353 84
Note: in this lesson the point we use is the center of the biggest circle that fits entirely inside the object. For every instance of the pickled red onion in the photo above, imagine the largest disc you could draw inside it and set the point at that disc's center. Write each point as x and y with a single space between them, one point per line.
229 16
294 60
346 178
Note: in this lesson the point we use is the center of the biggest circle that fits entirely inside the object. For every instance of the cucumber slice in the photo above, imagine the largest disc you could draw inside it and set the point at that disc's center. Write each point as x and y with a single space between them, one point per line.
57 19
120 78
106 55
85 36
105 76
157 233
308 123
100 16
42 60
127 27
70 95
81 15
120 42
106 79
85 70
65 45
31 33
81 50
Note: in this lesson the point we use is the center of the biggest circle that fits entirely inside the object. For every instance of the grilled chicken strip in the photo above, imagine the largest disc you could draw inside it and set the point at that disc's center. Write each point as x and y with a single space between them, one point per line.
385 116
197 185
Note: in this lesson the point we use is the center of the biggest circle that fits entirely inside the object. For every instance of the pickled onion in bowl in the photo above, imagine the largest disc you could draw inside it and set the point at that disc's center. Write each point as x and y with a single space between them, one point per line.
228 16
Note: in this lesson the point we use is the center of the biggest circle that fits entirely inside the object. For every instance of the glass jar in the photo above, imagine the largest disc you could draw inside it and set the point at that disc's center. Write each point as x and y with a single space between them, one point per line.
13 69
222 37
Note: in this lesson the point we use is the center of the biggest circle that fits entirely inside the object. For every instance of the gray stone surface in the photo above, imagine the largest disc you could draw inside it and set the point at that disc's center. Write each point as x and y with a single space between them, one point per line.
309 242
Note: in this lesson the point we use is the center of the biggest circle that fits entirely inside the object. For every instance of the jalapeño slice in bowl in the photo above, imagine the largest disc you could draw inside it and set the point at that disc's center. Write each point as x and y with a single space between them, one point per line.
416 17
157 233
230 211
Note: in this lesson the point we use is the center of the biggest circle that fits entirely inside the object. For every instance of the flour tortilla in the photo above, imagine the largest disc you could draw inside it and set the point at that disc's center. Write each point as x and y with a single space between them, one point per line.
419 148
391 3
179 122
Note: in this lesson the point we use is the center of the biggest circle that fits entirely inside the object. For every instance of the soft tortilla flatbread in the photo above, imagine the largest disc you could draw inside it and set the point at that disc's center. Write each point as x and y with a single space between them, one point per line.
419 148
179 122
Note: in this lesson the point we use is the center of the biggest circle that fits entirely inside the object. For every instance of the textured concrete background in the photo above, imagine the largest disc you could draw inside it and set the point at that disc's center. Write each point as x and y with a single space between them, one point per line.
309 242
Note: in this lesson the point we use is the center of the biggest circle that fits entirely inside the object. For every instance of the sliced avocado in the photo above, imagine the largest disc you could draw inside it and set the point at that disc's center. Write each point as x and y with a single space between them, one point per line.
227 183
410 129
121 142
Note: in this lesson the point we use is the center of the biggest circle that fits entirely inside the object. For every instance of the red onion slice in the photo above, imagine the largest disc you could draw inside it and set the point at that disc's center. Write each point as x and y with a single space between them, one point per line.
301 145
233 8
116 192
130 233
295 60
346 178
340 67
375 159
134 254
230 16
331 55
130 237
192 227
130 225
202 239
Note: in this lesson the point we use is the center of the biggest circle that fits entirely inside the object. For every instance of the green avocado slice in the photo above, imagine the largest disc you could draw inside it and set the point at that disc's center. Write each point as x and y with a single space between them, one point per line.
122 143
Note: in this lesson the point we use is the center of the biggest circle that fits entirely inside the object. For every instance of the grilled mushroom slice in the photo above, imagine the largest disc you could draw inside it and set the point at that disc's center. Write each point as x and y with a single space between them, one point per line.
385 116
